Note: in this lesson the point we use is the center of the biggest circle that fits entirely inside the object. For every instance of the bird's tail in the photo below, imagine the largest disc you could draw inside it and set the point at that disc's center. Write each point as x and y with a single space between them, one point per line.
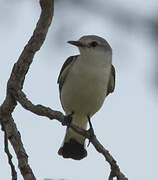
74 144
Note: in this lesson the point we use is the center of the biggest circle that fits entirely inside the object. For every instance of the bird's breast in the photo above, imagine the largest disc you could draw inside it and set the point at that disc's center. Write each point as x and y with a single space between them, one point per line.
85 89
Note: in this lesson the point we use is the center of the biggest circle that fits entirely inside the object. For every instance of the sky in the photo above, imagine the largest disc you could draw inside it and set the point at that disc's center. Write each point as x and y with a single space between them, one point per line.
126 124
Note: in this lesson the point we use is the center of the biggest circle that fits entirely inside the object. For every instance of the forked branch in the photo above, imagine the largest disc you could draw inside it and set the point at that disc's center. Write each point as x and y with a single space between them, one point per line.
15 94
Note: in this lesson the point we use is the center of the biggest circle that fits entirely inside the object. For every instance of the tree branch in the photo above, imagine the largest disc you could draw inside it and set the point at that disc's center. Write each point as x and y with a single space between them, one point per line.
14 94
16 81
6 148
51 114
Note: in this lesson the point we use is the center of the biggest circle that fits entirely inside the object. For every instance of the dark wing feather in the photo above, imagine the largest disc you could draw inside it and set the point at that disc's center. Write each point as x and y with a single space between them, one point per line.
65 70
111 85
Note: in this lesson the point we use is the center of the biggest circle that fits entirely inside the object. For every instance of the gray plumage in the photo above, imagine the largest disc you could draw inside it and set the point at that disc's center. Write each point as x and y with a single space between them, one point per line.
84 82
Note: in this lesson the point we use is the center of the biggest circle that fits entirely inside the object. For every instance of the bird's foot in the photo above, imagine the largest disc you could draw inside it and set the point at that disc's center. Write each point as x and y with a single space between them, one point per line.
67 120
90 131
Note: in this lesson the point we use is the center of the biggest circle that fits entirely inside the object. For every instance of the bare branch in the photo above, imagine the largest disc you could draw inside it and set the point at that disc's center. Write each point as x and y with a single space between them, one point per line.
14 94
6 148
51 114
16 81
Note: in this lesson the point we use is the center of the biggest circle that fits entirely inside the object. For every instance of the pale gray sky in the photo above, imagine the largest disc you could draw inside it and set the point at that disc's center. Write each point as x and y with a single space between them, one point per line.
127 123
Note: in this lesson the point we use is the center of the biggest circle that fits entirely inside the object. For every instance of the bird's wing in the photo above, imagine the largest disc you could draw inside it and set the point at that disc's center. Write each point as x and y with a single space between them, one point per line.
65 70
111 85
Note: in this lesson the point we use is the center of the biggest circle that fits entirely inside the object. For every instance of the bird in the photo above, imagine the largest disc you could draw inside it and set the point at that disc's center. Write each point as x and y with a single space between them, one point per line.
85 80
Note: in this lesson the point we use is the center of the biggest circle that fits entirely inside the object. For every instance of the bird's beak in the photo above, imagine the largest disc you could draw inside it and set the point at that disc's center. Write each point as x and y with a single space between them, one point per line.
76 43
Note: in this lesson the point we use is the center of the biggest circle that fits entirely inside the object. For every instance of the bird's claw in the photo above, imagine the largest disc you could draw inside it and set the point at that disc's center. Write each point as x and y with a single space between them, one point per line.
91 133
67 120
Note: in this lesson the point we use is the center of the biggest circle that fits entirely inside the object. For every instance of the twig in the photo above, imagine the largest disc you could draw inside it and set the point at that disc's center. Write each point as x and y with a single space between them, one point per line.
16 81
51 114
6 148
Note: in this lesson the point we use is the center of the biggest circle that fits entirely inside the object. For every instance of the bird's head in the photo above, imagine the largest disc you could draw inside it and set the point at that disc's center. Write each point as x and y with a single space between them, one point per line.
92 45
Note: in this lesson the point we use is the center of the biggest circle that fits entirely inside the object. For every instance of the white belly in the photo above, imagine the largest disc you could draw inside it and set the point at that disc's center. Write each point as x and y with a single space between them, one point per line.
85 89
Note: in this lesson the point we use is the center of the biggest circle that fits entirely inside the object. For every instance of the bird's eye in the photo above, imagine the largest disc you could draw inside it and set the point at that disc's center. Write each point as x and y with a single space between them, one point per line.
93 44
